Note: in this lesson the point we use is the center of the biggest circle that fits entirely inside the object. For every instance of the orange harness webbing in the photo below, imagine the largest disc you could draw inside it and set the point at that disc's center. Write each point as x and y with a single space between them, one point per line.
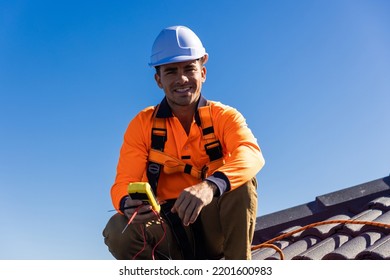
158 160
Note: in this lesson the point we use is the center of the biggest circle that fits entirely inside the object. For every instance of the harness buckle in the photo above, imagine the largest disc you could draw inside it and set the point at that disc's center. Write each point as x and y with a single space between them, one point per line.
203 172
214 150
159 137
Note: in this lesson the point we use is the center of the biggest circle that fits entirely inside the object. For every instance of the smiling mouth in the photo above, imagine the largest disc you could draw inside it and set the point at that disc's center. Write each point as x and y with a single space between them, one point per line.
183 90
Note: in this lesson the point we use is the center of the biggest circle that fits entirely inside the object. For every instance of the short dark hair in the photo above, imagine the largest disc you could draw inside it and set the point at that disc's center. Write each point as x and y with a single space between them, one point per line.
157 69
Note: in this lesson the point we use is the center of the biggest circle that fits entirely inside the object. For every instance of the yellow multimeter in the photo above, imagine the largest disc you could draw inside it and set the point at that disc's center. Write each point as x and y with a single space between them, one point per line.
143 191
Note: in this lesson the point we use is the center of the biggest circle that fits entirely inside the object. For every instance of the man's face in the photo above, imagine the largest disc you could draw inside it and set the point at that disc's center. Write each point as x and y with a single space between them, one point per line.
181 82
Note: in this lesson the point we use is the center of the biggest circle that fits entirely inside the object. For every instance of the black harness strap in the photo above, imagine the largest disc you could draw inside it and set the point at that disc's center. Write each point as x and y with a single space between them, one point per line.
214 151
159 137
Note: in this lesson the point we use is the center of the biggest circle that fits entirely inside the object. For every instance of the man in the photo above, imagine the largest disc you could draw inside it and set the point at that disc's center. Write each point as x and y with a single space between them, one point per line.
201 160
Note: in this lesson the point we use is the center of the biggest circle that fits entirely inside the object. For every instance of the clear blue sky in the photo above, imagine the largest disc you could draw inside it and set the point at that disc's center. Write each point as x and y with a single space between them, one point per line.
312 79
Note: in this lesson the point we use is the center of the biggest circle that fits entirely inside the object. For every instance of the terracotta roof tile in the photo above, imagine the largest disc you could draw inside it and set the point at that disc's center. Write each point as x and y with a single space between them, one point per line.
318 251
367 204
267 252
379 251
355 230
324 231
381 203
296 248
353 247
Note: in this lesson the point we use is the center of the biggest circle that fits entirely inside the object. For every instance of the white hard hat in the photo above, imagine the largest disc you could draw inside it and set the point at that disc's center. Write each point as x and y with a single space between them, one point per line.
176 44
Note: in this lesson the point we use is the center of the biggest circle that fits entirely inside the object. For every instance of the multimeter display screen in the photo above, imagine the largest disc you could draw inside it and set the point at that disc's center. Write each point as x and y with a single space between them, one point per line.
140 196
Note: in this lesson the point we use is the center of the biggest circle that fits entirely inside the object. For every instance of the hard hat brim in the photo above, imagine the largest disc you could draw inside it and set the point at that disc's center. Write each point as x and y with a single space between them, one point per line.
175 59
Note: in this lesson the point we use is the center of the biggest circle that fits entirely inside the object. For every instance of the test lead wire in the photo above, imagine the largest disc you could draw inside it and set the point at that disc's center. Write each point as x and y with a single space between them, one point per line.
132 218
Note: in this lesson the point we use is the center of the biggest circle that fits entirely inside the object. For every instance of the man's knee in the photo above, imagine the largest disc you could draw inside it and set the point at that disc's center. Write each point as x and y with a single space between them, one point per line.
113 237
245 193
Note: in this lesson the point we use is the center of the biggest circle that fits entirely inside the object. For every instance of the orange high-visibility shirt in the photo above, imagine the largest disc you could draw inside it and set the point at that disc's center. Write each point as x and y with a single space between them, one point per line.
242 154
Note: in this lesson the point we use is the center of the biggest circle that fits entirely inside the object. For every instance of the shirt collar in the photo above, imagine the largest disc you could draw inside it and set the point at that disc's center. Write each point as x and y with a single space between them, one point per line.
164 111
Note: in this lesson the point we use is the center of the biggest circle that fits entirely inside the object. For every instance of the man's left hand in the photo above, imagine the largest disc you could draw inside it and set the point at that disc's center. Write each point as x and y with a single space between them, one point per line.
191 201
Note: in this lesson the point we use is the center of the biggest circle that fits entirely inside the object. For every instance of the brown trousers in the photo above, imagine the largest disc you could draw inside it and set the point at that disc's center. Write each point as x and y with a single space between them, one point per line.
227 226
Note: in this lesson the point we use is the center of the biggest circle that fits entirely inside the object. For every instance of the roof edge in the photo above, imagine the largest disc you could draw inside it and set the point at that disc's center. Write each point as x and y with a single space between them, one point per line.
355 192
324 206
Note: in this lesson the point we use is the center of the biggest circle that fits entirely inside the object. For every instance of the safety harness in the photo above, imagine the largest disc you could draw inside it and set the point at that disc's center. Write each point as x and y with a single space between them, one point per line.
159 161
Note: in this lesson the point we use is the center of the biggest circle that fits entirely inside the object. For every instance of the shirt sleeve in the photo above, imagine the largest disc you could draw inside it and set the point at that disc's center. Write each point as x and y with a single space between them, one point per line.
243 156
129 170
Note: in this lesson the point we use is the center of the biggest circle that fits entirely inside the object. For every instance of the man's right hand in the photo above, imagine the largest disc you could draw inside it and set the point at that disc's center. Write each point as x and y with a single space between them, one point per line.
144 211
